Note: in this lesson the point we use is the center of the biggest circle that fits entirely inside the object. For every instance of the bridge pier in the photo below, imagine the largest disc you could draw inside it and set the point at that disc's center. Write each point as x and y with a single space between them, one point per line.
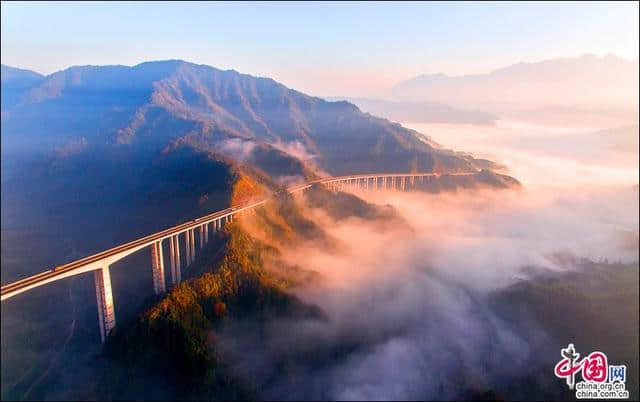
157 268
175 260
104 299
187 248
192 242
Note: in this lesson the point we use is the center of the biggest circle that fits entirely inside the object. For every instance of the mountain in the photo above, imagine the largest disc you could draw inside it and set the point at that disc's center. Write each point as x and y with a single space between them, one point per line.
420 112
90 147
94 156
15 82
587 82
152 104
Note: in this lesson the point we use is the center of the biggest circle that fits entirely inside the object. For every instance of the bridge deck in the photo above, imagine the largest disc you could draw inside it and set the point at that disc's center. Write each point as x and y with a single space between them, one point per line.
64 270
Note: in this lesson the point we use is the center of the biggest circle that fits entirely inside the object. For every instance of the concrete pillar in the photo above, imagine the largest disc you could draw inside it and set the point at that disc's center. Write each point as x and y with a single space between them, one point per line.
175 260
104 298
403 180
178 260
187 248
172 258
157 267
193 244
200 236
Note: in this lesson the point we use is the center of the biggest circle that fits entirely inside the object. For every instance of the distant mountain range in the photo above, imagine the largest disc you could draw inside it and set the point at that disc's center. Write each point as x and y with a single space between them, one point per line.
90 147
589 82
419 111
154 104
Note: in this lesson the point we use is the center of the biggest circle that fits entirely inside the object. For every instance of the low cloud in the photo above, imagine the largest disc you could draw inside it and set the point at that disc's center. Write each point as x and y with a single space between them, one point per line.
236 148
407 312
295 149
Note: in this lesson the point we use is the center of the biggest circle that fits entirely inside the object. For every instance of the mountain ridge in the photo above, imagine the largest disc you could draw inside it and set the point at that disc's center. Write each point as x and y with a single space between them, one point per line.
155 102
573 80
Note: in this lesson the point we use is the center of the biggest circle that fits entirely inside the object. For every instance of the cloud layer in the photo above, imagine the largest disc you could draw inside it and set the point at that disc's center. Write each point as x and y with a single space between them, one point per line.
407 312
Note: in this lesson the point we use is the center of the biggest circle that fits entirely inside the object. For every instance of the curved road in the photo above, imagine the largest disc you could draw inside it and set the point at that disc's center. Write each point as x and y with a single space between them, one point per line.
98 260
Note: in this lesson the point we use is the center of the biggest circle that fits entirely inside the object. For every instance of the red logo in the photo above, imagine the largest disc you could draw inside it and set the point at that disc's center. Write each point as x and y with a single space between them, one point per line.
593 367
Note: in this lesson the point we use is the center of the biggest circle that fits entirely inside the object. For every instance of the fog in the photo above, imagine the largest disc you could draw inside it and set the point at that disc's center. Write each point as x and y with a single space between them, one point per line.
407 313
549 157
407 305
236 148
295 149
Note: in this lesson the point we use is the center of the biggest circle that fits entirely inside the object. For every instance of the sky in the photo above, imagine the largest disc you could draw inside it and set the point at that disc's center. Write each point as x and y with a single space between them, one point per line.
325 49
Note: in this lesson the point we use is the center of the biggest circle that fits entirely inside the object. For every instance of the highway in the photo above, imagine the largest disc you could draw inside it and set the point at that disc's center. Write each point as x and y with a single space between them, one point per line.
107 257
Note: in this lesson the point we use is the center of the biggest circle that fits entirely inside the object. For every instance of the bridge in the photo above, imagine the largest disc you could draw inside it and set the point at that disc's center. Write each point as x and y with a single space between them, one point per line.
100 262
